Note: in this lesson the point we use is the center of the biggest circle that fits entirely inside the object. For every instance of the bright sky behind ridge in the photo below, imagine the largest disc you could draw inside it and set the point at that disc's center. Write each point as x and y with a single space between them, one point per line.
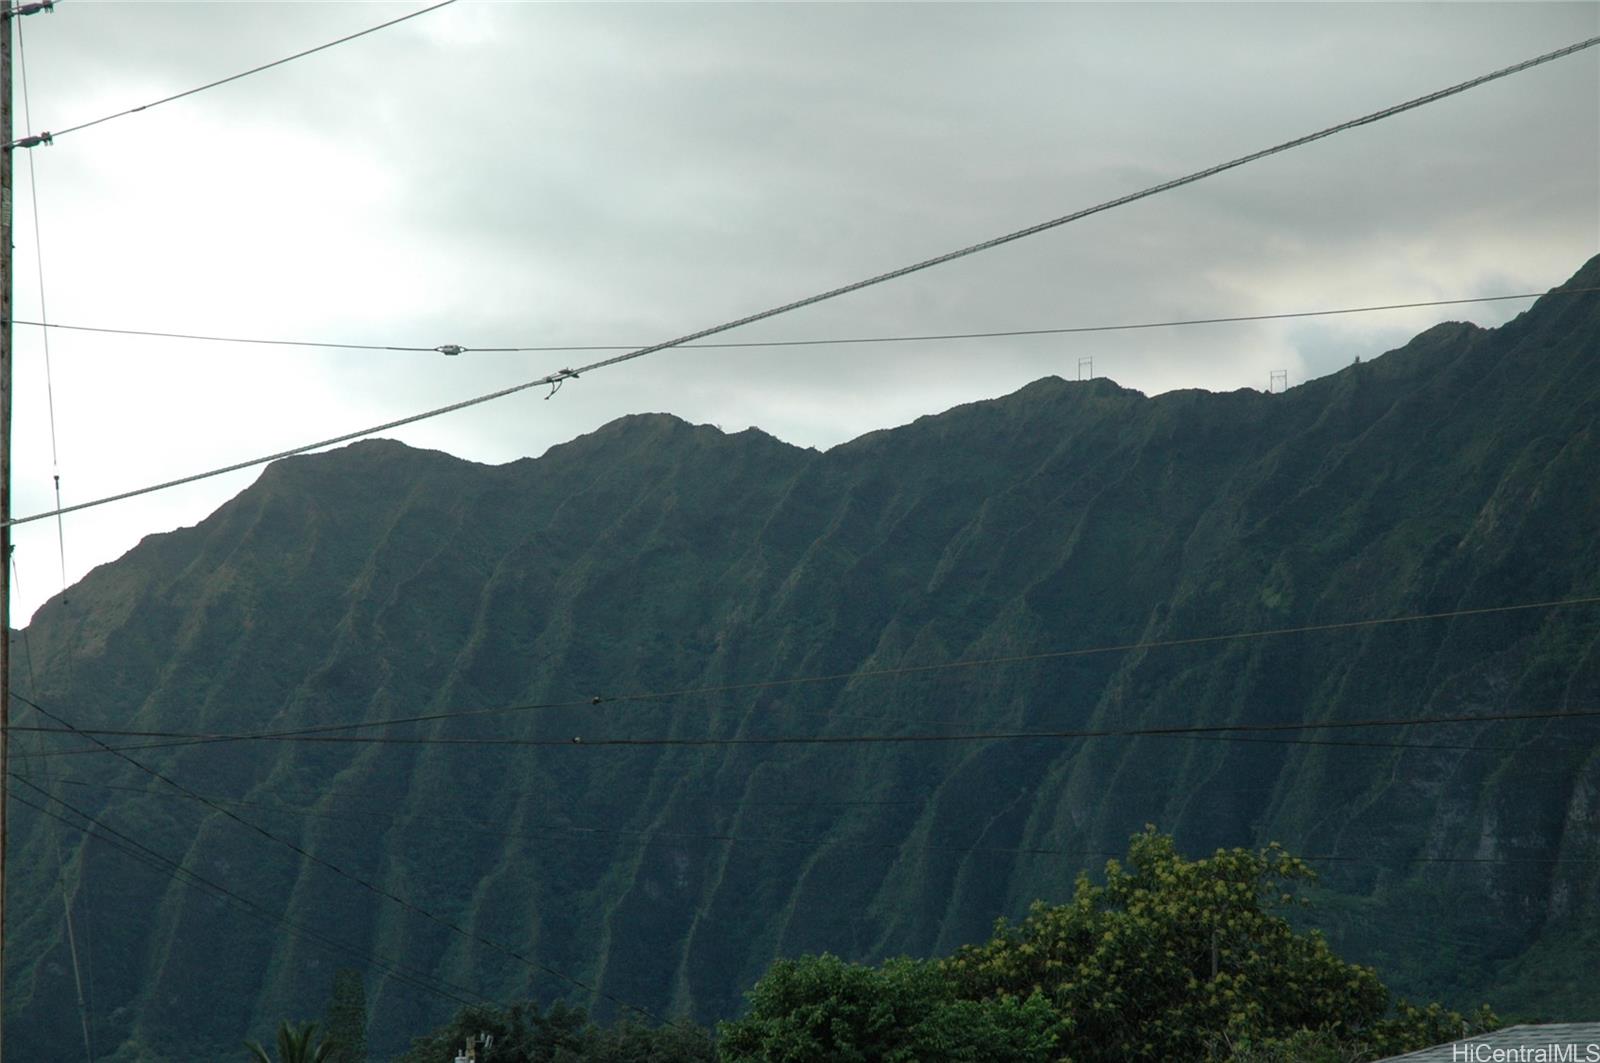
510 174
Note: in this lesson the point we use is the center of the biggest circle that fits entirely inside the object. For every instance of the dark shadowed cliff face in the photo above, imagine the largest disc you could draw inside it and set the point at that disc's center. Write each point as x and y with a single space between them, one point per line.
377 581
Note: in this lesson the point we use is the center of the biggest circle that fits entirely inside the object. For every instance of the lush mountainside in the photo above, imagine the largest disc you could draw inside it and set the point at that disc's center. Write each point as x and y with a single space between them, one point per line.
375 581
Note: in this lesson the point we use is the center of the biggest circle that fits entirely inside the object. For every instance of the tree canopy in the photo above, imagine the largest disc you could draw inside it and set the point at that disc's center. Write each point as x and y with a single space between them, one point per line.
1166 959
906 1011
347 1017
527 1033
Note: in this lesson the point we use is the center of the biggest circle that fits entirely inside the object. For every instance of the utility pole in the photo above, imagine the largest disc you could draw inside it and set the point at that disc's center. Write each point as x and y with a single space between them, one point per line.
6 152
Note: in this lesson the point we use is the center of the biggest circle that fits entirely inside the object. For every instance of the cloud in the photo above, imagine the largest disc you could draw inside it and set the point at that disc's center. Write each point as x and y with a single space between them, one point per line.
510 175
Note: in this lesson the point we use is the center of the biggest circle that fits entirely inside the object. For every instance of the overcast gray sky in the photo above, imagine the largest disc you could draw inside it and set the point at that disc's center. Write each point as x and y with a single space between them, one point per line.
510 174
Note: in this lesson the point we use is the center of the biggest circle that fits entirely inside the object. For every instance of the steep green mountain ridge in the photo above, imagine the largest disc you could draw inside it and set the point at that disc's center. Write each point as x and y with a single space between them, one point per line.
375 581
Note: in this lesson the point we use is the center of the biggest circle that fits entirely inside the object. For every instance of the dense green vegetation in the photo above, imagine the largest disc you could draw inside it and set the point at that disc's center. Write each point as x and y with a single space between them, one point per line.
903 1010
347 1017
1461 861
526 1033
1166 959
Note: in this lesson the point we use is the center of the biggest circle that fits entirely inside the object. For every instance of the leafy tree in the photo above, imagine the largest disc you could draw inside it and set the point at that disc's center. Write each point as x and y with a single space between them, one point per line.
347 1017
906 1011
294 1046
522 1033
1411 1027
1302 1046
1408 1029
629 1042
1170 955
526 1034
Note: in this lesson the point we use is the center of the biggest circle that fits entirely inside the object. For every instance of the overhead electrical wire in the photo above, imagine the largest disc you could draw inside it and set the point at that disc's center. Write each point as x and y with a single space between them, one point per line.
44 318
84 999
556 378
50 137
151 858
838 340
544 830
61 531
1124 647
597 700
916 738
294 928
376 890
142 853
974 736
343 795
200 740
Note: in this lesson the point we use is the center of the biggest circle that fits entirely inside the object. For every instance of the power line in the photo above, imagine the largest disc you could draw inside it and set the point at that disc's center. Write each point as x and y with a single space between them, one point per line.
153 859
979 736
44 316
84 1006
917 338
311 733
1221 729
48 137
284 343
341 795
646 835
199 740
544 830
1125 647
376 890
173 869
956 850
555 379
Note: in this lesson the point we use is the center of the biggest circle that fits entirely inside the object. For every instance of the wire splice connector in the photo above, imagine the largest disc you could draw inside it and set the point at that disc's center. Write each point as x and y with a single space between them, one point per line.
451 349
556 379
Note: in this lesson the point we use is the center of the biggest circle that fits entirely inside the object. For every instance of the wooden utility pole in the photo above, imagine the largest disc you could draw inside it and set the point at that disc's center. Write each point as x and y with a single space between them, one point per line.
6 152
